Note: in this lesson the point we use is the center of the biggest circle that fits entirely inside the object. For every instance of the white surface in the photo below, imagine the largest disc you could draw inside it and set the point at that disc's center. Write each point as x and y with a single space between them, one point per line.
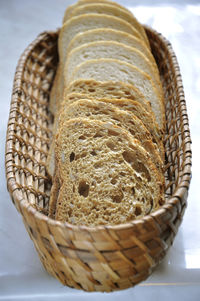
22 277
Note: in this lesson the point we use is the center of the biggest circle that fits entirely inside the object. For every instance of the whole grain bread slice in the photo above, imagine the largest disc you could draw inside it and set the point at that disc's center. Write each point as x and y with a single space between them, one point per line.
107 177
113 50
116 70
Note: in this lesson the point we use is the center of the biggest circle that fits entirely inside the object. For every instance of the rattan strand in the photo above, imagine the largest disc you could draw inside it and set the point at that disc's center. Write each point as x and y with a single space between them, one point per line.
104 258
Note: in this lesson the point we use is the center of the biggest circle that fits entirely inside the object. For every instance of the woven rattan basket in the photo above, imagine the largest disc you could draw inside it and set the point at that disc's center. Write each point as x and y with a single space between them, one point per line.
103 258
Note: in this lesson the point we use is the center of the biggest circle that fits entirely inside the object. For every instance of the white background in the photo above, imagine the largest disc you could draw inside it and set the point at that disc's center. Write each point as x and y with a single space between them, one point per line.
22 277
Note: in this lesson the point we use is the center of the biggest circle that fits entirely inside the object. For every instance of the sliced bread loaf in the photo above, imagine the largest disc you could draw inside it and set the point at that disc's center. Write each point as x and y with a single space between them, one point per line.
107 176
116 70
54 92
113 50
108 34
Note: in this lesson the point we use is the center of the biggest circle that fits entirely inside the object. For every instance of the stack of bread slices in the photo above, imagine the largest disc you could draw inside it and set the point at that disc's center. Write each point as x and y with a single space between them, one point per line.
106 158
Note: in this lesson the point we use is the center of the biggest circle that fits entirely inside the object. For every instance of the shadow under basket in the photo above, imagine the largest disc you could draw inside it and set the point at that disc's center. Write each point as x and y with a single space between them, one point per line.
102 258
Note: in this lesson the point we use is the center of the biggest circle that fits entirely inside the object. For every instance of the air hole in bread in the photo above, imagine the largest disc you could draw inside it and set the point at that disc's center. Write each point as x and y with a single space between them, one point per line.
112 133
138 210
133 190
72 156
132 132
137 166
122 174
111 145
161 202
117 198
83 188
97 165
97 135
93 153
144 170
128 157
91 90
94 183
113 181
82 137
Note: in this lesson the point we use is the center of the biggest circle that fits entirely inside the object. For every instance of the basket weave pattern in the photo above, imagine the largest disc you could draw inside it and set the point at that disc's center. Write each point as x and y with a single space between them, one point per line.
103 258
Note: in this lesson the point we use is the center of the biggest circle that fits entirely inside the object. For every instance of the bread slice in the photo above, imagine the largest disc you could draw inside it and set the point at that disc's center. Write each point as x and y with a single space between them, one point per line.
108 34
55 188
103 8
107 89
113 50
54 92
107 177
85 22
109 6
50 162
107 112
116 70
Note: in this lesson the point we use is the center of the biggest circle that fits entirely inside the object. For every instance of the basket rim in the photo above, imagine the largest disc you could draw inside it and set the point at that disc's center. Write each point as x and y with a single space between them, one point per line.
181 191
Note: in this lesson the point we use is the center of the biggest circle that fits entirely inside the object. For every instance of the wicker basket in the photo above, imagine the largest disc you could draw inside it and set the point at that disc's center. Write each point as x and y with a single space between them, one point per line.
103 258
